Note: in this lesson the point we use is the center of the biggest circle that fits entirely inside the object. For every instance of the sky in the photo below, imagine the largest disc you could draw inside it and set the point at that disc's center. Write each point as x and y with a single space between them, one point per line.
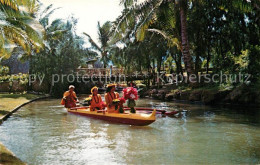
88 12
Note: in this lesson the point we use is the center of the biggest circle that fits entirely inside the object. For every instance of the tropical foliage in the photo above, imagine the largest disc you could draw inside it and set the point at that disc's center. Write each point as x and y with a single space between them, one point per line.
4 70
103 38
19 27
63 51
198 35
170 36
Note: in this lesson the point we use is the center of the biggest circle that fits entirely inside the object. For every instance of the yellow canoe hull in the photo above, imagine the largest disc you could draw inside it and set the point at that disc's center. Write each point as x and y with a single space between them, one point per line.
123 118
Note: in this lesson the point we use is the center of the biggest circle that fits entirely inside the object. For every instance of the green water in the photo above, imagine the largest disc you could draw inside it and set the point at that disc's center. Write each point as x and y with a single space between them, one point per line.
44 133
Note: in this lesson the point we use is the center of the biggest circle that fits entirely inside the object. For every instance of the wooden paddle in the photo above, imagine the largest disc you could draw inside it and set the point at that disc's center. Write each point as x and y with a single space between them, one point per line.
151 109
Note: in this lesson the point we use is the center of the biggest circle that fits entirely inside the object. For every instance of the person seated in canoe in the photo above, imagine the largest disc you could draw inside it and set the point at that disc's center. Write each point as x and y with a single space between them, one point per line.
96 100
112 99
69 98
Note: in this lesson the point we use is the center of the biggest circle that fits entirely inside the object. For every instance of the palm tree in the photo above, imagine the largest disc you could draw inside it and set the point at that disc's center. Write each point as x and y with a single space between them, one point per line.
137 18
19 27
142 16
183 7
103 39
63 50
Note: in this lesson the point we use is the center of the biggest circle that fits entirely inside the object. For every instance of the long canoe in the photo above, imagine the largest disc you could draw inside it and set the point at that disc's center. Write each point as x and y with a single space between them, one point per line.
138 119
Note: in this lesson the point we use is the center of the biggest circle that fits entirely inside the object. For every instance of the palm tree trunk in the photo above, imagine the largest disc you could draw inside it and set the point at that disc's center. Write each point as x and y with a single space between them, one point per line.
185 43
153 72
159 64
104 56
179 63
29 85
208 59
177 57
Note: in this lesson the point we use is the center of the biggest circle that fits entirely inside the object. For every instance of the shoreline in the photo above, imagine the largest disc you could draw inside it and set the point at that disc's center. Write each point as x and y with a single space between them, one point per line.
238 96
6 116
7 156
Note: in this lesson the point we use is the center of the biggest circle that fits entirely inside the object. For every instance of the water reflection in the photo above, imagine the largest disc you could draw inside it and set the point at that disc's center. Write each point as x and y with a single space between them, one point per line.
44 133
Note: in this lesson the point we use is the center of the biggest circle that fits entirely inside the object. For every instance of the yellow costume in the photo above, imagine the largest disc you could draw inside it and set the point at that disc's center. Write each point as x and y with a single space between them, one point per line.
96 102
109 97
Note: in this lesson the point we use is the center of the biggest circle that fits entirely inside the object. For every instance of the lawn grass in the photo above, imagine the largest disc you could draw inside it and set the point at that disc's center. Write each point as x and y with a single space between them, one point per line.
9 101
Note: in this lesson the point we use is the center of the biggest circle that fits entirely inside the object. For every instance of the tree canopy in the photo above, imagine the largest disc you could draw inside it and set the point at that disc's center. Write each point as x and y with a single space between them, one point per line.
177 36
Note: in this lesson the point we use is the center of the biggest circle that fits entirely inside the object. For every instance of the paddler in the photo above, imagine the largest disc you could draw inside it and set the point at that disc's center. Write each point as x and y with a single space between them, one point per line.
69 98
96 100
111 97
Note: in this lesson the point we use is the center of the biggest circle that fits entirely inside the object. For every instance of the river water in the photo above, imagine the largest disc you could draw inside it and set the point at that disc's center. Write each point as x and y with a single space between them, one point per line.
44 133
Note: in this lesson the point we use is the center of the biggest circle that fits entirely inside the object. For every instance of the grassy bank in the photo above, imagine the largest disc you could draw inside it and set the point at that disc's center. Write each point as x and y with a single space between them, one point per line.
7 157
10 101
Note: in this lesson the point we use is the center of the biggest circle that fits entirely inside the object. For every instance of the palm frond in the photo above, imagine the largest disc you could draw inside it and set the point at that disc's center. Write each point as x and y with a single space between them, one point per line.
149 18
135 18
172 41
18 27
121 24
92 42
104 33
46 10
10 3
44 16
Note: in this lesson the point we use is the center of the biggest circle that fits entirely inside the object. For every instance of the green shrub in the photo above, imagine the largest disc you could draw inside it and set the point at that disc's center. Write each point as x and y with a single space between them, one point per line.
4 70
22 78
